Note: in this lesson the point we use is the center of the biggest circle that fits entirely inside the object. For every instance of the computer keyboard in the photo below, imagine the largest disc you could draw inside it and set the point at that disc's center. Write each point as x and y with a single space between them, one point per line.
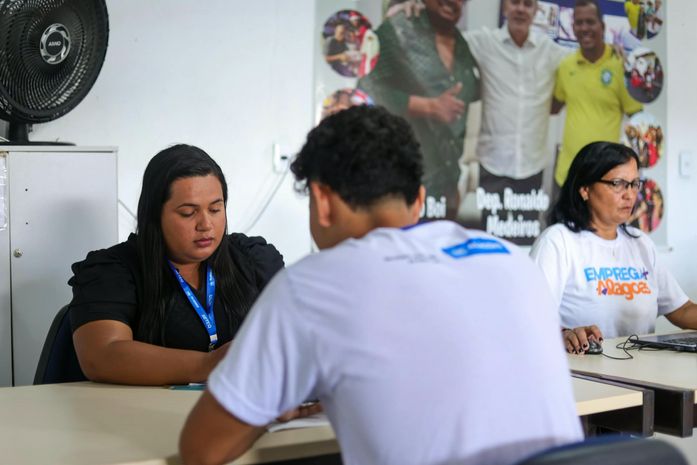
684 340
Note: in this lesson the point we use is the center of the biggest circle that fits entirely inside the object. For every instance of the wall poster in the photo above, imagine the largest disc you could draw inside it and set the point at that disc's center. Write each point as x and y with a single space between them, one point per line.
494 149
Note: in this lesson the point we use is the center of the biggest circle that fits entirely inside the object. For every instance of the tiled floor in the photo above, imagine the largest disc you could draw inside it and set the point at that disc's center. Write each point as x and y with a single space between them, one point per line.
688 446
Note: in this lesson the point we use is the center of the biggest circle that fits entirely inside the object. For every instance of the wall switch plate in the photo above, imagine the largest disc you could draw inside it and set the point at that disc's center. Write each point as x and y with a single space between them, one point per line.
280 160
687 164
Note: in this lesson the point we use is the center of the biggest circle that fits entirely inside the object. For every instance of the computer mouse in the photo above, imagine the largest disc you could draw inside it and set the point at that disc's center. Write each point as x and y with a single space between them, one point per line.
594 347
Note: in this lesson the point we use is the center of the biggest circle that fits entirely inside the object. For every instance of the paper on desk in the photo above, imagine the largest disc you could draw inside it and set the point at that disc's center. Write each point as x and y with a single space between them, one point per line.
188 387
318 419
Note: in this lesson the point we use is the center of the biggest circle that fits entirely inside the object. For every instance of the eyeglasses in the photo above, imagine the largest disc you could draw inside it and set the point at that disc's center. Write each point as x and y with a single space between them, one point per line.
620 185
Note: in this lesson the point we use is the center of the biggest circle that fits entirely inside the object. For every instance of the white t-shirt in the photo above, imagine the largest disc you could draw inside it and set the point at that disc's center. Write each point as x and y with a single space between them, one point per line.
618 285
429 345
517 86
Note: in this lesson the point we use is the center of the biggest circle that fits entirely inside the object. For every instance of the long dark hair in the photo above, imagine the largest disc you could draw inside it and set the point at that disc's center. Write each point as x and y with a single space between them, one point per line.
590 165
176 162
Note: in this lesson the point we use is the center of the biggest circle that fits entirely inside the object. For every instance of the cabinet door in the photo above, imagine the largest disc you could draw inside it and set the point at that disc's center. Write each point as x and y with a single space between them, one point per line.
62 205
5 308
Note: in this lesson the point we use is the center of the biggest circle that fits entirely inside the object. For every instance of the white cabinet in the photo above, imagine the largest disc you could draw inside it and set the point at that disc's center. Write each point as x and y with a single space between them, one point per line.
56 204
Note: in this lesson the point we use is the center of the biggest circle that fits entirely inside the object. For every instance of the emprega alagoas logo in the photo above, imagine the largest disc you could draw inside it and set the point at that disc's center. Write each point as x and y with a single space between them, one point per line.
626 281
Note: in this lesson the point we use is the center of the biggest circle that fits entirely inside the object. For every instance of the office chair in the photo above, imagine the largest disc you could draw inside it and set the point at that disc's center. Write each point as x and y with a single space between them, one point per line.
612 449
58 361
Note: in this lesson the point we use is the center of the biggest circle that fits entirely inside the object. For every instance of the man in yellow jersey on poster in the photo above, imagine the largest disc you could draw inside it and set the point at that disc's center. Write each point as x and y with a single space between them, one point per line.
590 82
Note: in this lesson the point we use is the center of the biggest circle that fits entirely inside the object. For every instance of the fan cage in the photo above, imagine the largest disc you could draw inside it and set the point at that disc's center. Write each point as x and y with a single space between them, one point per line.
33 90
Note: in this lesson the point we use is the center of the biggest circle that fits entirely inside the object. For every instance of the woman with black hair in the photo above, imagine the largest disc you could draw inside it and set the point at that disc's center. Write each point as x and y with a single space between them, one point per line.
162 307
605 275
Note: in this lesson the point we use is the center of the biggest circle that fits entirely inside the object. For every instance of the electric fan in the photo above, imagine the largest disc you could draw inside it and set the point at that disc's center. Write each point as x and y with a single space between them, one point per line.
51 52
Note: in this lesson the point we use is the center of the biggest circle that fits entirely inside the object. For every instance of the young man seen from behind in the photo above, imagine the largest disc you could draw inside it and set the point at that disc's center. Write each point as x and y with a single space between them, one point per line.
402 331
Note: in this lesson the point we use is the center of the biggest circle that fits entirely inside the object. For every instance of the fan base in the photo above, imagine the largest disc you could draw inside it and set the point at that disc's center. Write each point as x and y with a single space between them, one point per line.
18 134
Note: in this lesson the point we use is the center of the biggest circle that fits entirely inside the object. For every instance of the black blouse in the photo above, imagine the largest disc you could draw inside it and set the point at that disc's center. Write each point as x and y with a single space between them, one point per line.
108 285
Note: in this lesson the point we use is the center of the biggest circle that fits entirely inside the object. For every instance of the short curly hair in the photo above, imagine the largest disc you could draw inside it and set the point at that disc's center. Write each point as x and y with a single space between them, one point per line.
364 154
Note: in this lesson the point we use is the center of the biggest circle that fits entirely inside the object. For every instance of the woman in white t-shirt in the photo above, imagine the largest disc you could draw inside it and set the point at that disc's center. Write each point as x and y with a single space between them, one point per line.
605 275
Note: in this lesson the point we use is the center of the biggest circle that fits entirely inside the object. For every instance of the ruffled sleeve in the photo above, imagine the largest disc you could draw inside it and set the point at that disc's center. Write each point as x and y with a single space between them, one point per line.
104 287
263 258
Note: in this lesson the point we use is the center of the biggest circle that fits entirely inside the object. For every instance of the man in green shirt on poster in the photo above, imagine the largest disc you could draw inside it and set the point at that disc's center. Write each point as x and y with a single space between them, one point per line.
427 74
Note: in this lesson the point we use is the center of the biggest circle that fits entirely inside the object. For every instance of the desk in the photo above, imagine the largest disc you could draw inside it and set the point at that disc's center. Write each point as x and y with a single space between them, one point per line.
671 375
609 406
99 424
596 397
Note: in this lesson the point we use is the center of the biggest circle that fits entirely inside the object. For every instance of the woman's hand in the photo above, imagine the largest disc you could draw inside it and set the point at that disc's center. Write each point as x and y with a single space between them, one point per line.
213 358
411 8
304 410
576 339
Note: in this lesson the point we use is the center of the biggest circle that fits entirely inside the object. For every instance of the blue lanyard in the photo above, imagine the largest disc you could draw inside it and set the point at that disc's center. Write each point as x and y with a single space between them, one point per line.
207 317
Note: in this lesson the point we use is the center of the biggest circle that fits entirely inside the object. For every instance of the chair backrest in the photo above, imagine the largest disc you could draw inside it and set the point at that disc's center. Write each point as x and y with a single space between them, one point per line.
58 361
615 450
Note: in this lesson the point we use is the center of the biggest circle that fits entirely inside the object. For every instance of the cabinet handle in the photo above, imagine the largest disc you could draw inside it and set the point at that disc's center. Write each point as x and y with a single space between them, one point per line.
18 253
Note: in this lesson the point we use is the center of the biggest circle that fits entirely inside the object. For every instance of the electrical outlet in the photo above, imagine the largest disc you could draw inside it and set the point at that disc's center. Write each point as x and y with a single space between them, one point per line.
687 164
280 159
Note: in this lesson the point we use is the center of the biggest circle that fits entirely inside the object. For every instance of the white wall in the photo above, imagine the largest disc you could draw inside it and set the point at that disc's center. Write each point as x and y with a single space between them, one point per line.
681 210
230 76
234 77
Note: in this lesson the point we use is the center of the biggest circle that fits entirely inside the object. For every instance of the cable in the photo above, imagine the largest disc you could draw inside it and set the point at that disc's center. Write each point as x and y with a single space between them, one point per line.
266 203
128 210
634 346
623 346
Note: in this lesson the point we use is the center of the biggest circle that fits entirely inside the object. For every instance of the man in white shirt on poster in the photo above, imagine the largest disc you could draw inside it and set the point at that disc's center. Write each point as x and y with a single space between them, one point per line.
400 330
517 66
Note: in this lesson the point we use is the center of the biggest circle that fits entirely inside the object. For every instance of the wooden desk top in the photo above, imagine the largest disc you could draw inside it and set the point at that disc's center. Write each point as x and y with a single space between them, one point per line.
595 397
662 369
99 424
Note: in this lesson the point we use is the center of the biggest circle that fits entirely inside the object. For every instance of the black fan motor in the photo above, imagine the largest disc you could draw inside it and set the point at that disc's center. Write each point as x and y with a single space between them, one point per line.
51 52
